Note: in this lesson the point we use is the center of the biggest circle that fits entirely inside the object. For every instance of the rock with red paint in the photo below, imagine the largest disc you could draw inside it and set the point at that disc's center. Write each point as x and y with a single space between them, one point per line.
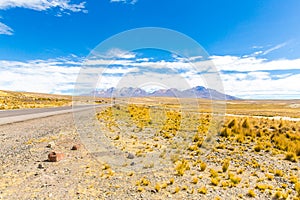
55 157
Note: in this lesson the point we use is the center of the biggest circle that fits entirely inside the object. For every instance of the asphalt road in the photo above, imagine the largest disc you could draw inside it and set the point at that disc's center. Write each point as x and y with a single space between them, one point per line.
12 116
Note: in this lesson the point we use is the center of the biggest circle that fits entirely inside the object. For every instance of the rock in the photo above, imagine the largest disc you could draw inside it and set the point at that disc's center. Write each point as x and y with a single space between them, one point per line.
40 166
51 145
75 147
55 157
130 156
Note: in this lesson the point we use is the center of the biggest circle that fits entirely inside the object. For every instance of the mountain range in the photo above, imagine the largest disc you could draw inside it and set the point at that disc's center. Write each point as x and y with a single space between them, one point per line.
195 92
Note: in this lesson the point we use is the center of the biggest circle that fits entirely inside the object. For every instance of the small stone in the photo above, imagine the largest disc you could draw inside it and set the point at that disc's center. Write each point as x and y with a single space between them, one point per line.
51 145
130 156
55 157
40 166
75 147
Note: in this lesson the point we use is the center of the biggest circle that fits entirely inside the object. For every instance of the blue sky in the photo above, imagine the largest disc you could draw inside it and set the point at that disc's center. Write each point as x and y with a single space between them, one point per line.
254 44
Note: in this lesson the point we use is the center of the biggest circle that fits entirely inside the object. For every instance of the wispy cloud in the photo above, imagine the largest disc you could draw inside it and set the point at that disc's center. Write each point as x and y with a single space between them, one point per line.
262 51
115 53
274 48
124 1
257 47
5 30
235 63
63 6
41 5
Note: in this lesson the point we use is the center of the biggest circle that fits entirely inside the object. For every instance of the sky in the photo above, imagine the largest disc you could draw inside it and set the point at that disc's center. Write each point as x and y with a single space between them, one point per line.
254 45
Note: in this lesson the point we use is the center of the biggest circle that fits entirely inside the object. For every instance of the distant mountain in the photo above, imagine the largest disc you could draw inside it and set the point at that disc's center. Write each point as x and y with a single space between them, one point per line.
195 92
172 92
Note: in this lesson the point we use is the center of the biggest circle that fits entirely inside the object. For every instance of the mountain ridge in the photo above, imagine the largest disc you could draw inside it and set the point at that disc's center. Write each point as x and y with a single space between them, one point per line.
195 92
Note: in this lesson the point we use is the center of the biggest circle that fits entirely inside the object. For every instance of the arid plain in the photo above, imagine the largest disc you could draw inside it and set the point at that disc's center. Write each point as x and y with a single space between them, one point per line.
171 148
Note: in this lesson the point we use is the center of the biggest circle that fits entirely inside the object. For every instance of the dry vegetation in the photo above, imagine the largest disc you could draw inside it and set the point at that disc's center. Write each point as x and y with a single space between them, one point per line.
289 108
19 100
22 100
252 157
244 158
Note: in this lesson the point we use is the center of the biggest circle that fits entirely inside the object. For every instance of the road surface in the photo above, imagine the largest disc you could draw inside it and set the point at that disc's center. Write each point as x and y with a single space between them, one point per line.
12 116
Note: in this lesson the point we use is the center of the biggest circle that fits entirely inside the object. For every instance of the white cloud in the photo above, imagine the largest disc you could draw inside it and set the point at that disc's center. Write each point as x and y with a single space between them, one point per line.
252 77
143 59
113 53
257 47
64 6
248 77
124 1
106 62
262 87
47 76
235 63
274 48
118 53
41 5
149 79
244 77
5 30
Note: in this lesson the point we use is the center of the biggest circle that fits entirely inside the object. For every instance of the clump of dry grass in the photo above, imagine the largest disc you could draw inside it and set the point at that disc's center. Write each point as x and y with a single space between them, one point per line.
297 188
171 181
235 179
172 124
270 177
277 195
194 180
225 132
202 190
213 173
262 187
157 187
291 157
225 165
176 190
140 115
215 181
278 172
143 182
258 148
251 193
202 166
140 189
182 166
